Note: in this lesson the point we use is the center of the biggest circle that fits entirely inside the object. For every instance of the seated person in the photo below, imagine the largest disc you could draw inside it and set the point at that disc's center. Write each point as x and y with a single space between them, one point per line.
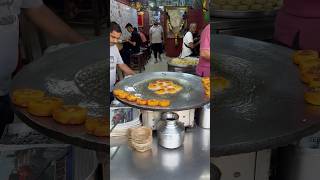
132 44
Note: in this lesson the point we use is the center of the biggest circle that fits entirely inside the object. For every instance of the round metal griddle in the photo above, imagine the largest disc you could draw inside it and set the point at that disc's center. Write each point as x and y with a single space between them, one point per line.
191 96
264 106
242 14
59 74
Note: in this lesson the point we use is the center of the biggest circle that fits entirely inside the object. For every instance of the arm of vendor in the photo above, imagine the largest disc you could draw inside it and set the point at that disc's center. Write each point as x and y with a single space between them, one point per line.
47 21
115 57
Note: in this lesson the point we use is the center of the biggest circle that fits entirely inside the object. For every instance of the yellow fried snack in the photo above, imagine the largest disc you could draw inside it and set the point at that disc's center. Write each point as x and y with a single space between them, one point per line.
117 92
22 97
69 114
123 95
154 86
141 101
309 64
44 106
312 97
153 102
97 126
161 92
91 124
164 102
303 55
132 98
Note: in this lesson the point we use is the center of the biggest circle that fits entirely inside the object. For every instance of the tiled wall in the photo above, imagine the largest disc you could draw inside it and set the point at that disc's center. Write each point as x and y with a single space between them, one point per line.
123 14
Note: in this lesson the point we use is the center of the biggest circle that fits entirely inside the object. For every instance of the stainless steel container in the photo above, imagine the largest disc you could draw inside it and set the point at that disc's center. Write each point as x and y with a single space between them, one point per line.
170 132
204 120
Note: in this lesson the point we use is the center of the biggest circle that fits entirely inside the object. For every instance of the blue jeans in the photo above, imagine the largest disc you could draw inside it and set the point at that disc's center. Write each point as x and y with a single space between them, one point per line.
6 112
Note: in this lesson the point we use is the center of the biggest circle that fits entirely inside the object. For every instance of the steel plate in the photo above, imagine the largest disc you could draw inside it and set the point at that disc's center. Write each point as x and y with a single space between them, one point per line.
58 74
192 96
242 14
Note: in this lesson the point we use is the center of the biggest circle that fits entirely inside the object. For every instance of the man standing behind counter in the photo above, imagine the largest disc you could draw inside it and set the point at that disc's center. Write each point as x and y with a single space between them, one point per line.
115 57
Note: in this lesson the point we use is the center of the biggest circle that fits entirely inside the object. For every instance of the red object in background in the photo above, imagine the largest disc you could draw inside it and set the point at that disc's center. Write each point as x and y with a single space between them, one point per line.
140 19
171 49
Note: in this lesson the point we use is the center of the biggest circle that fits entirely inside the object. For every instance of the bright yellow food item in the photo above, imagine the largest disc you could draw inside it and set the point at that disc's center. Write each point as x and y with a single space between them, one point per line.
164 102
153 102
44 106
69 114
141 101
22 97
303 55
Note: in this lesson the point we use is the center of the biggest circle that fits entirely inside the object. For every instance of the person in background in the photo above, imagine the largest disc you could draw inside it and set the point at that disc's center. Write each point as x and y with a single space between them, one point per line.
203 67
144 41
188 42
42 17
131 45
297 24
156 40
115 57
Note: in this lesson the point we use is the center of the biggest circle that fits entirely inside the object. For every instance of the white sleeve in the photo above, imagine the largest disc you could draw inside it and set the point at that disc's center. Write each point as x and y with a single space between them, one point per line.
31 3
119 58
188 38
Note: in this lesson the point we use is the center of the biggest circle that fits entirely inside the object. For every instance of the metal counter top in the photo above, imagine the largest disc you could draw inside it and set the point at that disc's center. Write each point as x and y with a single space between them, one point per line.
189 162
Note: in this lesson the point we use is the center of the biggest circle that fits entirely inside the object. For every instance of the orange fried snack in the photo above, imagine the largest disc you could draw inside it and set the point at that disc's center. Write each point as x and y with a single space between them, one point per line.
69 114
303 55
44 106
141 101
132 97
22 97
123 95
164 102
153 102
117 92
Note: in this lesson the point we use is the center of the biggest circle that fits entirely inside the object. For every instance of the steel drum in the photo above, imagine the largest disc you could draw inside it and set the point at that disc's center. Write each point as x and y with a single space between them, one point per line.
191 96
264 106
76 76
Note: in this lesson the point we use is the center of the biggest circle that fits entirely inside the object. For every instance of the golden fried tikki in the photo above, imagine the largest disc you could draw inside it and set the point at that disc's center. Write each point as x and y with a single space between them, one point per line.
69 114
22 97
44 106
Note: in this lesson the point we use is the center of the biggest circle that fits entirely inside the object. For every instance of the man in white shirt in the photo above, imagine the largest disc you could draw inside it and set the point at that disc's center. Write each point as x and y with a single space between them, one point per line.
188 44
156 37
41 16
115 57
